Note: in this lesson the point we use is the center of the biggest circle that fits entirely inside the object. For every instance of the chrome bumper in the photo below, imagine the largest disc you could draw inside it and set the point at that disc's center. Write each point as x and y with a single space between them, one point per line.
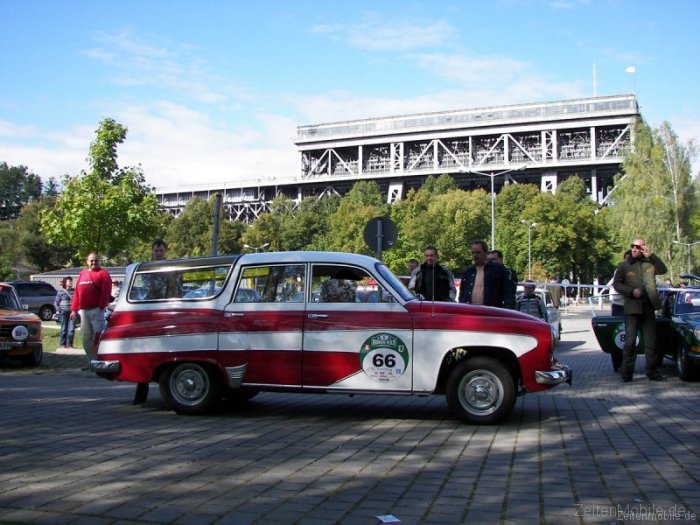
108 367
559 374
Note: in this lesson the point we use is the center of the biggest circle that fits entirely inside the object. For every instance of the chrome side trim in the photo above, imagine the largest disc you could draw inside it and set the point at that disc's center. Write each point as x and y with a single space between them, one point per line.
235 374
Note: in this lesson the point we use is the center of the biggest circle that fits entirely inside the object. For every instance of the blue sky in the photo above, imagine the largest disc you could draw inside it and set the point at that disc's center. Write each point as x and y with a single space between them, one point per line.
212 91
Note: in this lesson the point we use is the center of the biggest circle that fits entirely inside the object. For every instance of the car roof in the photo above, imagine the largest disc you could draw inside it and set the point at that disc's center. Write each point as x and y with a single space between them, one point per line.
260 258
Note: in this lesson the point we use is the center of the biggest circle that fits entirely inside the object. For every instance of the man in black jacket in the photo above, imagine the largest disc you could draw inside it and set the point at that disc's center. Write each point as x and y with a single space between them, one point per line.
497 257
486 282
433 281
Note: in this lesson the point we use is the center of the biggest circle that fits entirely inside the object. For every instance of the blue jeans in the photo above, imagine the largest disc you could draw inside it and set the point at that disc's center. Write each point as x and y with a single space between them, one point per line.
67 329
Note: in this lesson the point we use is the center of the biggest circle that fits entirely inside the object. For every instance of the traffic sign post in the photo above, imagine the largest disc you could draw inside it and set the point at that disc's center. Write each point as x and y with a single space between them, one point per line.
380 234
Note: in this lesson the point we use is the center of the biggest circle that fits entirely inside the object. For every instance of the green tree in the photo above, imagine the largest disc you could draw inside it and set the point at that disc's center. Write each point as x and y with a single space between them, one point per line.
33 246
654 197
17 187
347 224
190 234
109 209
441 215
570 239
422 219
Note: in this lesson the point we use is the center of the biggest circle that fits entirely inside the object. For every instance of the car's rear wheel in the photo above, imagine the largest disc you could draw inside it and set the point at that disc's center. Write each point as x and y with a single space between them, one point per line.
190 388
685 368
33 359
481 390
46 312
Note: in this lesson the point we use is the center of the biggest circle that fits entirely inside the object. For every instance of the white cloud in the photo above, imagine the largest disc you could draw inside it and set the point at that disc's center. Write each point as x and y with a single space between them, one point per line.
178 146
144 60
385 34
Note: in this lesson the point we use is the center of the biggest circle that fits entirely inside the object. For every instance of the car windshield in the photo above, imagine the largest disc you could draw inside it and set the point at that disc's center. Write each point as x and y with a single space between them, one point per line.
8 301
688 301
395 282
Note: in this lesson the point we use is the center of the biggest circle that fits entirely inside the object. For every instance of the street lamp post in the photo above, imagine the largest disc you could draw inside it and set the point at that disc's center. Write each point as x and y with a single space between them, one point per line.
256 249
529 246
492 176
689 245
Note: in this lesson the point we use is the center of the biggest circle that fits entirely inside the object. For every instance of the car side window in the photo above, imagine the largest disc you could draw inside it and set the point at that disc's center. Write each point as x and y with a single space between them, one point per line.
180 283
46 289
282 283
344 284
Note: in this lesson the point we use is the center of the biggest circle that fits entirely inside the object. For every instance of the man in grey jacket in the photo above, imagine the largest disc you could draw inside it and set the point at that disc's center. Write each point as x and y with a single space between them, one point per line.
635 279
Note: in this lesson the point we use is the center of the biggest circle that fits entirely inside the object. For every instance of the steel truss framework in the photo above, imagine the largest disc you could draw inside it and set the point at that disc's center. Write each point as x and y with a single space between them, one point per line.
535 143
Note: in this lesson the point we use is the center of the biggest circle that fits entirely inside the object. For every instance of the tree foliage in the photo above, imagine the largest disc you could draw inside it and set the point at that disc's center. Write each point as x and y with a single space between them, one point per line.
17 187
109 209
655 196
190 234
33 245
347 223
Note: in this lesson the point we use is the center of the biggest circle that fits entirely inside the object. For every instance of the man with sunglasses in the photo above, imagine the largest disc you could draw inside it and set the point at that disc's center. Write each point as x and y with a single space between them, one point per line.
91 297
635 280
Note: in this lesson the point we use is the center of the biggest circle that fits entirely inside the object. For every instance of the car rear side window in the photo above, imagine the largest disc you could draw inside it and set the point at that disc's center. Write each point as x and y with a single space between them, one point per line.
178 283
272 284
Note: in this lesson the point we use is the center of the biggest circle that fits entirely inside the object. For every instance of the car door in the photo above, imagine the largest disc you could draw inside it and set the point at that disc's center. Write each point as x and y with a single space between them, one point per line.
261 330
351 345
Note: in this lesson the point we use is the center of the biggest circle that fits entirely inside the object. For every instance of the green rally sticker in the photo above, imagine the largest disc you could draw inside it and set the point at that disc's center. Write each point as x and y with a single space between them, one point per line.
384 357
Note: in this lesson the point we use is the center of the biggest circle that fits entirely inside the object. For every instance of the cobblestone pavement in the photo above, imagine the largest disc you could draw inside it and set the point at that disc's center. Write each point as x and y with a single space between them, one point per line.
73 449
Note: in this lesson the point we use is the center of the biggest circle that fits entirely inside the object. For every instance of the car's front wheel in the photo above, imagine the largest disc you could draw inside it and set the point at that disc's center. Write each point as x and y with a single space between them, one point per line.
685 368
35 358
46 312
190 388
481 390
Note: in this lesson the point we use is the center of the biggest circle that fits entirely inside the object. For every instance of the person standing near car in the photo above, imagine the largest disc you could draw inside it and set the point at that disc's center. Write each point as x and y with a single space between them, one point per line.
635 279
486 282
91 297
62 305
158 287
529 303
497 257
432 280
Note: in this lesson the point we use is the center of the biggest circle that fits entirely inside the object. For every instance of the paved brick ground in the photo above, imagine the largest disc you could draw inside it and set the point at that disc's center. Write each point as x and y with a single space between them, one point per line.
74 450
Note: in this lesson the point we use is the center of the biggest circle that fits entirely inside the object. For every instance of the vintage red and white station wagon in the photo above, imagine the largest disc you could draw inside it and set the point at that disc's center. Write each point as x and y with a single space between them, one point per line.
317 322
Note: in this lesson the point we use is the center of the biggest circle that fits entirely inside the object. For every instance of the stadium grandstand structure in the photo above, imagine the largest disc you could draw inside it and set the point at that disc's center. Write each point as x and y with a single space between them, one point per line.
537 143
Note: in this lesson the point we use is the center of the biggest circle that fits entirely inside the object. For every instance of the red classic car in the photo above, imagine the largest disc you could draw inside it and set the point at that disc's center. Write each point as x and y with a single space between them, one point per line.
307 329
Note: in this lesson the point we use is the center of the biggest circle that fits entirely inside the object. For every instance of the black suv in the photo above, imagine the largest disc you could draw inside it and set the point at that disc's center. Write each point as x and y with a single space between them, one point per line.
38 296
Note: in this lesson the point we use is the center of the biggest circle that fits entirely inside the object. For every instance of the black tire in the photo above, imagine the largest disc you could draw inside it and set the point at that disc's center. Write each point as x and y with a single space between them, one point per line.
616 358
46 312
34 359
685 368
481 390
190 388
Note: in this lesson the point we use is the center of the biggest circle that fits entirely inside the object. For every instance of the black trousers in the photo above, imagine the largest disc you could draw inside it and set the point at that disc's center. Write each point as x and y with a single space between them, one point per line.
647 321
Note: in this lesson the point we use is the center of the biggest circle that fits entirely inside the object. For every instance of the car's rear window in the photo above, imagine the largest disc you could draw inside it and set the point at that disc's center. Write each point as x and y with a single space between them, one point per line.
178 283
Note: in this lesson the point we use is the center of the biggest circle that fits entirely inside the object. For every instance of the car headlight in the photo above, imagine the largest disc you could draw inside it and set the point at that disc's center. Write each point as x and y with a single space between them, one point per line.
20 333
697 332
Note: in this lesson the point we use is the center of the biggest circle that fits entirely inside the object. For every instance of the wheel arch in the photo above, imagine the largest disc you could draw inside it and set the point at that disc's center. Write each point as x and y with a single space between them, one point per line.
457 355
160 369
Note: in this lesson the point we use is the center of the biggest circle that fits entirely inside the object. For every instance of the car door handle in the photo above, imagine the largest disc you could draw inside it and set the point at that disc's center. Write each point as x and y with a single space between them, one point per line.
317 316
234 314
